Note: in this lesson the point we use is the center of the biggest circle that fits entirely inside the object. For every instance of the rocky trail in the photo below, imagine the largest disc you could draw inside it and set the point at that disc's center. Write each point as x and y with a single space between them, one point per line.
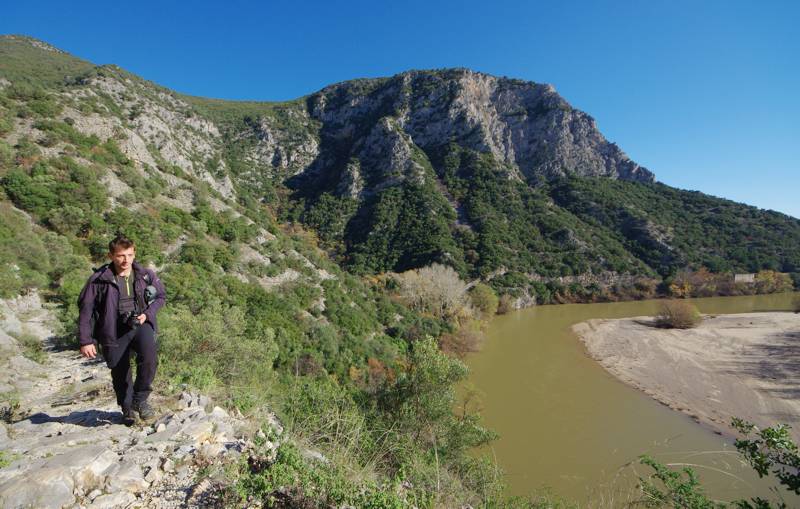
62 441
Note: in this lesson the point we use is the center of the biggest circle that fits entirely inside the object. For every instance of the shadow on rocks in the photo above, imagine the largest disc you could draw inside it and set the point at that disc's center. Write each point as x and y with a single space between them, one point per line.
86 418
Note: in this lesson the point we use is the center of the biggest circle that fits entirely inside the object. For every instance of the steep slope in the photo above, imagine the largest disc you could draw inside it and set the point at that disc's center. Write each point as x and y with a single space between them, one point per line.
488 175
258 316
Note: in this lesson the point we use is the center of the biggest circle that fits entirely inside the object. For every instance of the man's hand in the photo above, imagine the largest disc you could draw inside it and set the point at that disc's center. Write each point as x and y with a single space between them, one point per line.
141 318
89 351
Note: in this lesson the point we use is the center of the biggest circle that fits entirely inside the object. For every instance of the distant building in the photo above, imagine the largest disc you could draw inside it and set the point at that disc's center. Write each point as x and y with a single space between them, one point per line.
744 278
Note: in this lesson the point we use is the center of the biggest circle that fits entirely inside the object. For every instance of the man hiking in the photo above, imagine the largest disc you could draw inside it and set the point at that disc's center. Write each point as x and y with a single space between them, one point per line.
118 307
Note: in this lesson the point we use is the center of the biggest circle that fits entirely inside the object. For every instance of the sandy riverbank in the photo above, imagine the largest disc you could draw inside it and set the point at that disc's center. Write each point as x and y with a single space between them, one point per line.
743 365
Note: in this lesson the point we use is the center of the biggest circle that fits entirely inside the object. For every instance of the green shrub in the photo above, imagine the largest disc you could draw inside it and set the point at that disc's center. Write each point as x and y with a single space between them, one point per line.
24 259
484 299
6 123
211 349
505 304
292 481
668 488
678 314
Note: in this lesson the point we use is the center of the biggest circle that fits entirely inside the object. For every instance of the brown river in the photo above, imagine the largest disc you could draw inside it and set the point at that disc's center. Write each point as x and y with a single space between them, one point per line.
567 425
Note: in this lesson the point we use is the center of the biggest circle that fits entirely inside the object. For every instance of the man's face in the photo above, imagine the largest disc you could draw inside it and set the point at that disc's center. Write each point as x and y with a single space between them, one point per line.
123 258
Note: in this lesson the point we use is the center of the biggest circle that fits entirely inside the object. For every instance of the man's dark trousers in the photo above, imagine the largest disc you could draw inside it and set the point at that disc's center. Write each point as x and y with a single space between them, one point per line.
118 357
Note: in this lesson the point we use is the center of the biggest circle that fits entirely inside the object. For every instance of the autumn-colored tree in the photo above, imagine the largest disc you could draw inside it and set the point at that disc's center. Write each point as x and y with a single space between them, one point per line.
435 289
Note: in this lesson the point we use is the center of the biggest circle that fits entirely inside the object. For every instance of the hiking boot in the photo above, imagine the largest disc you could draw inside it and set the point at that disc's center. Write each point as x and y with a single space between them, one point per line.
128 417
146 411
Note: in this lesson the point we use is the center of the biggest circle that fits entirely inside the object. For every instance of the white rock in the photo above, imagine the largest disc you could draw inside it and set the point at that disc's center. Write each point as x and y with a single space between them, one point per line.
202 401
198 432
185 399
127 477
212 450
219 413
113 500
168 465
153 475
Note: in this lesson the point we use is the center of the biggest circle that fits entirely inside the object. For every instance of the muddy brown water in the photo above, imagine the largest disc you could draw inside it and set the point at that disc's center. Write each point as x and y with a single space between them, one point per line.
567 425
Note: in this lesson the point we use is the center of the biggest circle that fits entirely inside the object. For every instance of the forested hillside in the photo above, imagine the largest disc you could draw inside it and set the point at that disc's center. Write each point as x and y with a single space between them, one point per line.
257 315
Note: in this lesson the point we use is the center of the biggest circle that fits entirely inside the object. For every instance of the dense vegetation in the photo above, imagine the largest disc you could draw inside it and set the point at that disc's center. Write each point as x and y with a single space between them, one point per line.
576 239
348 366
670 229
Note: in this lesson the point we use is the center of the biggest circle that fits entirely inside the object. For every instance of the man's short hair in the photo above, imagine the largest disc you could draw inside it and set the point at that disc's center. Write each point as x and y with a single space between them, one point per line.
120 242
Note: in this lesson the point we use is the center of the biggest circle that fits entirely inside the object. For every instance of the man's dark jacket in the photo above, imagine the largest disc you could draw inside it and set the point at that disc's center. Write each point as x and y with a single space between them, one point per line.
105 328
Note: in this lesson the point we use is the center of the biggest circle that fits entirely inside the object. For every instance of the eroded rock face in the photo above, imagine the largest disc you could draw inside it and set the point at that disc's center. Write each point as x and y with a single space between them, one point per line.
286 151
521 124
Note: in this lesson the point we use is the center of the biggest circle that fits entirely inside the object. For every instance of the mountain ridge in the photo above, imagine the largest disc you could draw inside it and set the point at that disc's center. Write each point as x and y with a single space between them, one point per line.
445 166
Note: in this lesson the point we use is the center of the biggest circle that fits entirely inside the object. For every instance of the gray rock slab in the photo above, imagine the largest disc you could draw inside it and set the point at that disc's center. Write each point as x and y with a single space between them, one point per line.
167 435
198 432
49 488
127 476
8 344
113 500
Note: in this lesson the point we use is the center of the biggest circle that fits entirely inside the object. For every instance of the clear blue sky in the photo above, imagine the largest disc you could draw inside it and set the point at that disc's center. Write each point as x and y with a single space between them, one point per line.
703 93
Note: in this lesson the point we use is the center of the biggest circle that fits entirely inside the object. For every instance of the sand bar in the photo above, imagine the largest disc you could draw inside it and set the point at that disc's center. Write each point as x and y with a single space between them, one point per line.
744 365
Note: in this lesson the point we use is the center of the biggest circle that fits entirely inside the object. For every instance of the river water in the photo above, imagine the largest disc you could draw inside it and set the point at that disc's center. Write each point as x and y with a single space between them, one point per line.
567 425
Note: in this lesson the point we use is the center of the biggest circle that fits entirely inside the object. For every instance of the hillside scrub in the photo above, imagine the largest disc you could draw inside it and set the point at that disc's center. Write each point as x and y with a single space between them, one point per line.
484 300
249 346
678 314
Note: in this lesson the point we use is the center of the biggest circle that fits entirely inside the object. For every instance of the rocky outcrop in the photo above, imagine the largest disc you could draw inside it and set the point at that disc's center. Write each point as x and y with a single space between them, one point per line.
286 151
521 124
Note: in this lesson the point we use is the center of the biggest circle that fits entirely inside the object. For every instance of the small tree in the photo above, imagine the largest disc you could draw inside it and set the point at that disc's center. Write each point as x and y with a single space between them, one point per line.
506 304
484 299
436 289
461 342
678 314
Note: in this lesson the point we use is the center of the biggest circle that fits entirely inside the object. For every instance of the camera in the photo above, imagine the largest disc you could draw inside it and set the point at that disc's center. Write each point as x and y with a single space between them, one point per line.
130 319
